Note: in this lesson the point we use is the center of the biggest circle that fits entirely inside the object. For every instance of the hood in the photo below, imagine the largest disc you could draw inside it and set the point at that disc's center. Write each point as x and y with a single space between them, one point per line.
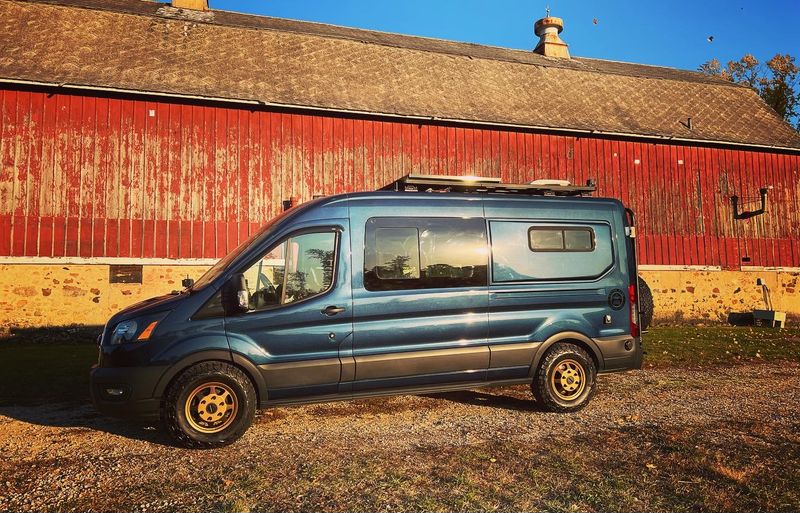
152 305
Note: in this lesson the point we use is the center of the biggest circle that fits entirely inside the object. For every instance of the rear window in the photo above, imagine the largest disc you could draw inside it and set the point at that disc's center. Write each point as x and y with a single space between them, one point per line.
529 251
560 239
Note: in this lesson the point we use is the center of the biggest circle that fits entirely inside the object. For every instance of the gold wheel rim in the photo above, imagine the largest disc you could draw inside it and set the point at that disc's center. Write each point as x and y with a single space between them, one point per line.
568 379
211 407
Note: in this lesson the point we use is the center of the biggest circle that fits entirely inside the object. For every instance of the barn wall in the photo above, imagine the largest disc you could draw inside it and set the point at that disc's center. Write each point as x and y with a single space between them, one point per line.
104 177
98 177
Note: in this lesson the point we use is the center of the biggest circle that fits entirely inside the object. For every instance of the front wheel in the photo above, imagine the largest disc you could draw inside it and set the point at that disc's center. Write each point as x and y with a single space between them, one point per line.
565 380
209 405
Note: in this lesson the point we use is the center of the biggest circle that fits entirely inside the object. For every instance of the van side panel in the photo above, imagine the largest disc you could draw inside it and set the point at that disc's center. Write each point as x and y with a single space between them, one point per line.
564 291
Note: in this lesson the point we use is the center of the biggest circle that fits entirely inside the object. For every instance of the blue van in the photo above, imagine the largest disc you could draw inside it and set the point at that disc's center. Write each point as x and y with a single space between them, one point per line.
431 284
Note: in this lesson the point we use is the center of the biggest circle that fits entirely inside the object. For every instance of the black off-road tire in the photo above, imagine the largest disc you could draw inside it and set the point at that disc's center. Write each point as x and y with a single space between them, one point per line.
646 306
173 410
543 389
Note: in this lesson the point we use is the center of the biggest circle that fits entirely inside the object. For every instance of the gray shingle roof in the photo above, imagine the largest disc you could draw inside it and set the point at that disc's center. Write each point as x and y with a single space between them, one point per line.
151 47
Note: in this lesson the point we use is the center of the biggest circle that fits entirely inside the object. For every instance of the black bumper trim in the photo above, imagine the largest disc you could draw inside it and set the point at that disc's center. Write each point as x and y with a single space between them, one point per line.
138 385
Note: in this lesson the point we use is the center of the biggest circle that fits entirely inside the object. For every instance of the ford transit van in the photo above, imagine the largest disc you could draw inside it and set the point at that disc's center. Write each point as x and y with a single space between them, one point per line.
431 284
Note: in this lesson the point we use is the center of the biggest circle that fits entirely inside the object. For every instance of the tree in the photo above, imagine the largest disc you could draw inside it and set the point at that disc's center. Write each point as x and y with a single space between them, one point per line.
777 82
780 91
325 258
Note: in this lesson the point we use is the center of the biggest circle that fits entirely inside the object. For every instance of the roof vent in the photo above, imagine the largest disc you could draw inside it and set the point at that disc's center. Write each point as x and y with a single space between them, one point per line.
550 45
197 5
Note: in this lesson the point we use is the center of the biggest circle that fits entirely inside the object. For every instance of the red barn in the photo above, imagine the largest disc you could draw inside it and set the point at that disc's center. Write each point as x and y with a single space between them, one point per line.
140 141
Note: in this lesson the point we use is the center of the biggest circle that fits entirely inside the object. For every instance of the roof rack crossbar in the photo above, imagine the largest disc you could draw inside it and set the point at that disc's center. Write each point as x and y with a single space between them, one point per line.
477 184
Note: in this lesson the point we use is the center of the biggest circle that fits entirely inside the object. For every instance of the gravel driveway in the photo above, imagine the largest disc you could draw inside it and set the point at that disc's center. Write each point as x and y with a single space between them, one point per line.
715 438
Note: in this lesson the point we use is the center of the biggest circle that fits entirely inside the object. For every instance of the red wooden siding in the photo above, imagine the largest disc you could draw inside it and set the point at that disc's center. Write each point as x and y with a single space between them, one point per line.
105 177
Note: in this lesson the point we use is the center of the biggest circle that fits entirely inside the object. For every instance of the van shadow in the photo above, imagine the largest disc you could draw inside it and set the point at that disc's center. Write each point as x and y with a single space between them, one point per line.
482 398
44 381
81 416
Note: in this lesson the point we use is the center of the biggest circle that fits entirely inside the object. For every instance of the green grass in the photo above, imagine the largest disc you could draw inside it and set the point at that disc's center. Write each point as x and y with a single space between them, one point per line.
53 365
41 373
687 346
46 364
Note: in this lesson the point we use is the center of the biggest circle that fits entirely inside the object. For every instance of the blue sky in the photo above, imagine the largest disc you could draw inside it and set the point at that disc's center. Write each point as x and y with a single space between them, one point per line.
667 33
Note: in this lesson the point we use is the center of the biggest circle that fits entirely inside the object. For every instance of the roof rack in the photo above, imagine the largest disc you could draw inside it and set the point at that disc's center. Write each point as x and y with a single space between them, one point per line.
436 183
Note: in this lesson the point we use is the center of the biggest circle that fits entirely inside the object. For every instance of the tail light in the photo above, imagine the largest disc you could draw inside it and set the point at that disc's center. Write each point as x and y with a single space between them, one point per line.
632 296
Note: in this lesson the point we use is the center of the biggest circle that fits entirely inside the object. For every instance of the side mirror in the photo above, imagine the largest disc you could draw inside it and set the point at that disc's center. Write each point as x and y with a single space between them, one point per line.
235 297
187 282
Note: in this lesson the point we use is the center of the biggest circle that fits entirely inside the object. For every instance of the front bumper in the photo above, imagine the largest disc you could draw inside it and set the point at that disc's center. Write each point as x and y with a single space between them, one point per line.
126 391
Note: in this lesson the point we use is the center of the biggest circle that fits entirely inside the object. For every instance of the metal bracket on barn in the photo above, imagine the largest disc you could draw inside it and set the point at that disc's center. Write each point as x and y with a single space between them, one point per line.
436 183
735 201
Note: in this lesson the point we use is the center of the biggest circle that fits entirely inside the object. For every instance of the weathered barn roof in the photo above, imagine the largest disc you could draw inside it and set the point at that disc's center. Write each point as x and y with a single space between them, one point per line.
143 46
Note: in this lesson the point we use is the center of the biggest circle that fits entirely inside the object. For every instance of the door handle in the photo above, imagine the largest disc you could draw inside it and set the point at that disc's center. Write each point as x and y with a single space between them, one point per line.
332 310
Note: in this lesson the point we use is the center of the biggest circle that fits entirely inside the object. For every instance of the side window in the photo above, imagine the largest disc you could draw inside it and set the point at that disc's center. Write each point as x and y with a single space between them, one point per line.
397 252
579 239
545 240
297 268
560 239
523 251
415 253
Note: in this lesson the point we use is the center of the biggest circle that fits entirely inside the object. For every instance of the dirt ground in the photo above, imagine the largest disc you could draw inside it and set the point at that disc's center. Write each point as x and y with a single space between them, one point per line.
718 438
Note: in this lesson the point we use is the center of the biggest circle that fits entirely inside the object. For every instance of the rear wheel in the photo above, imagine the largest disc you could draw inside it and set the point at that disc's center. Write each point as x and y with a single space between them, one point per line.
565 380
209 405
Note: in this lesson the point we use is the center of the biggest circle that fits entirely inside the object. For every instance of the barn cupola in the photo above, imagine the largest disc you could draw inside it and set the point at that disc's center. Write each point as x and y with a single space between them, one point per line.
197 5
550 45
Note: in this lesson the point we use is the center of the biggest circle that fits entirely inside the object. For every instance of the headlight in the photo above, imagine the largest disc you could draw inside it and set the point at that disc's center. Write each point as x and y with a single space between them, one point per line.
135 330
124 332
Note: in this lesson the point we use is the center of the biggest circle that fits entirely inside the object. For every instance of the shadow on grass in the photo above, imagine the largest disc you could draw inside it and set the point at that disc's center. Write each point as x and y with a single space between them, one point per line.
44 380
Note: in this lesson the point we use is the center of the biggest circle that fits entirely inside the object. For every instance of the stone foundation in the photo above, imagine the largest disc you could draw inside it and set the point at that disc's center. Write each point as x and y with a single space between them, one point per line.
48 295
711 296
33 295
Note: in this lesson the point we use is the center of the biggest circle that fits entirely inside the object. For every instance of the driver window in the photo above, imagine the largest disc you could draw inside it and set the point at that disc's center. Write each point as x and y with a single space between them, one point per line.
297 268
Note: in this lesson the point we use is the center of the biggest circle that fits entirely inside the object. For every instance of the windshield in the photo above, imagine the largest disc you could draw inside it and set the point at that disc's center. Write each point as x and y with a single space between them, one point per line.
223 262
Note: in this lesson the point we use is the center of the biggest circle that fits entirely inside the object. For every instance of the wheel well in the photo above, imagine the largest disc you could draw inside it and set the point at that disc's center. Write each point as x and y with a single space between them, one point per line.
567 340
252 381
233 363
586 347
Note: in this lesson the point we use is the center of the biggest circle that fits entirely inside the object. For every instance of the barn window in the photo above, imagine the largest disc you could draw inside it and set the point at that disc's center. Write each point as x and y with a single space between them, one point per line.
125 273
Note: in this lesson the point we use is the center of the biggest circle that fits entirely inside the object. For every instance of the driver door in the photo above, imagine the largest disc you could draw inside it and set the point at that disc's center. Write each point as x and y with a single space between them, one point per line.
300 313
